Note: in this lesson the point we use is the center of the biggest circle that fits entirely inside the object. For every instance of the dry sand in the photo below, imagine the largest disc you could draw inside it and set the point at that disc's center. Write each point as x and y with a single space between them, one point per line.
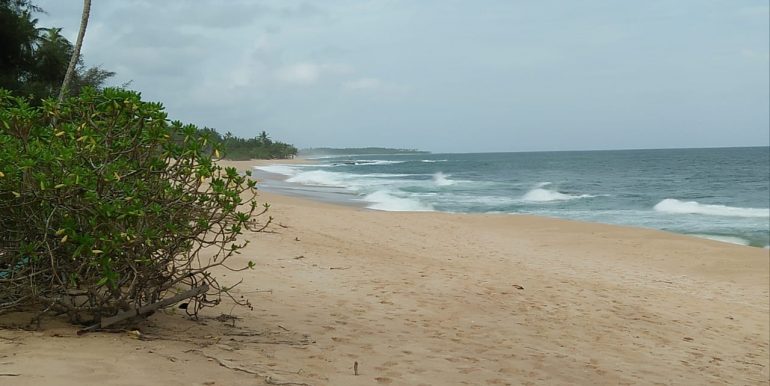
442 299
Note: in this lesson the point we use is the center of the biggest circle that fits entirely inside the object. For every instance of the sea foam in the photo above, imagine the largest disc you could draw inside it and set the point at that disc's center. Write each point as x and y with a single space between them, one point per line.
373 162
320 178
387 201
674 206
441 179
724 239
540 194
285 170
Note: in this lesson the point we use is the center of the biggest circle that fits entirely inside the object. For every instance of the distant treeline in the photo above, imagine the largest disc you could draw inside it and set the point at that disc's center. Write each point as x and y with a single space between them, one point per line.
259 147
328 151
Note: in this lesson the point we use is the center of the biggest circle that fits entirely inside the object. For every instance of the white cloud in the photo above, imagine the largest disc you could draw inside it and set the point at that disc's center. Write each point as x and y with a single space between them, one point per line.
307 73
757 11
375 85
755 54
363 84
299 73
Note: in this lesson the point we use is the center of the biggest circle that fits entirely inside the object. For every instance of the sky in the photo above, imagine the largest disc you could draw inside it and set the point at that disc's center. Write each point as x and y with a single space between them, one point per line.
445 75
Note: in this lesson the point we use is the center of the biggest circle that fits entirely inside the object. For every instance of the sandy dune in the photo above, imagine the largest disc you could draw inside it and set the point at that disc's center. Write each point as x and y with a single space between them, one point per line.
440 299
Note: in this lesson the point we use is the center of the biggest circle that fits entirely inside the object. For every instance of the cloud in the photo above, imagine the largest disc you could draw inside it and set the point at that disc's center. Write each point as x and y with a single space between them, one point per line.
755 54
307 73
299 73
363 84
369 84
757 11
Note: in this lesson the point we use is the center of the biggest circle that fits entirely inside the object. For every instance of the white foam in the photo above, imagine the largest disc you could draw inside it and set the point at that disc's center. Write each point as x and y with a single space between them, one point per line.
430 161
374 162
724 239
671 205
441 179
384 200
540 194
320 178
285 170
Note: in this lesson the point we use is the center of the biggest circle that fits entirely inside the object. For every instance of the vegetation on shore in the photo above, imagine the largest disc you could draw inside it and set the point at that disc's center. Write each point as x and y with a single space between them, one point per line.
259 147
107 205
329 151
34 60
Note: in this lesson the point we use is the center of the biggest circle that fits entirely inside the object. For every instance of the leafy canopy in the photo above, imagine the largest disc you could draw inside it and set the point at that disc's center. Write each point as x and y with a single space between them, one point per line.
108 206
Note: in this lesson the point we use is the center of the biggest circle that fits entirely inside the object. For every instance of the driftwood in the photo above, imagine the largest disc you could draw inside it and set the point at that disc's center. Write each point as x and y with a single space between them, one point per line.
106 322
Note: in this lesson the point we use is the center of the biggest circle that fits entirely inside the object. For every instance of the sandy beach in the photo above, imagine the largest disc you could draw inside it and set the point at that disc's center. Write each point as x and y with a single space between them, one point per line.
440 299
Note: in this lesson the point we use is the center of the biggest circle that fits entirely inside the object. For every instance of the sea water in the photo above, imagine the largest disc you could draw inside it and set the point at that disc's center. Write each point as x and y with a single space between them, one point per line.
721 194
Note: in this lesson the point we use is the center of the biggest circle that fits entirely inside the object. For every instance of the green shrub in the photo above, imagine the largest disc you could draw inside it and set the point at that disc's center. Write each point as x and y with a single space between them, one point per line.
105 206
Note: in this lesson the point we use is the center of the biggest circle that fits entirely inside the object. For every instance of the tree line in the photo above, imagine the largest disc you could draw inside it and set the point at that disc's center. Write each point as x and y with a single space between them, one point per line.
259 147
34 62
34 59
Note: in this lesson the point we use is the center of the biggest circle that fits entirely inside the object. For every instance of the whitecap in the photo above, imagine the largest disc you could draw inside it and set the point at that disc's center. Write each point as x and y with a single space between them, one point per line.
540 194
285 170
372 162
674 206
441 179
387 201
320 178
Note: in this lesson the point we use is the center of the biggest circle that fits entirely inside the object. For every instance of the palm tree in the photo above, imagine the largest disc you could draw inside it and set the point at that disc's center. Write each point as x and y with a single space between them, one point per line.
76 53
51 57
18 38
264 139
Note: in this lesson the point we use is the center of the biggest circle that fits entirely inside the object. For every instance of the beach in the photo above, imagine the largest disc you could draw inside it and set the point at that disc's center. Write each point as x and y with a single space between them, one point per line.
345 295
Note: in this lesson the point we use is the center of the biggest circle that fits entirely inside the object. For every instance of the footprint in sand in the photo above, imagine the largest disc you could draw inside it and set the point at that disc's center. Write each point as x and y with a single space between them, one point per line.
385 380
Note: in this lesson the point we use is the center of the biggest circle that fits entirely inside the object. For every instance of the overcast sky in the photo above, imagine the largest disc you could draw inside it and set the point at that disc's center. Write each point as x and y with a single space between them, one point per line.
445 75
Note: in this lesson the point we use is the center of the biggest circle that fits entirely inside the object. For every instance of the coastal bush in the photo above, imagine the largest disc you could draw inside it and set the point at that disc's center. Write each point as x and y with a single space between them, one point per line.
107 206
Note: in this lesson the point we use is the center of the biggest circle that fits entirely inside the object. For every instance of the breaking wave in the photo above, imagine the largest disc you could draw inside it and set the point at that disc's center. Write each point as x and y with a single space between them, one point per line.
319 178
674 206
387 201
285 170
540 194
441 179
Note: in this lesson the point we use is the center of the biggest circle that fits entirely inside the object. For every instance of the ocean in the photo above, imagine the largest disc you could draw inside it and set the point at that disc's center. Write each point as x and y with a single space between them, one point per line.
721 193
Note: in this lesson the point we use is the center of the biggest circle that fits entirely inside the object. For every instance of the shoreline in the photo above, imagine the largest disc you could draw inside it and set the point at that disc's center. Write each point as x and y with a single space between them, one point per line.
333 197
430 298
598 303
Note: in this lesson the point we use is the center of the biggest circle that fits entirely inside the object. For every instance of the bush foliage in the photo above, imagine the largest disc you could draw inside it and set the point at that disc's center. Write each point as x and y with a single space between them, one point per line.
107 206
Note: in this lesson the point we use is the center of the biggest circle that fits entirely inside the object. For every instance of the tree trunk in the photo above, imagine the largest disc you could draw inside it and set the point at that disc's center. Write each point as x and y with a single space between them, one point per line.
76 51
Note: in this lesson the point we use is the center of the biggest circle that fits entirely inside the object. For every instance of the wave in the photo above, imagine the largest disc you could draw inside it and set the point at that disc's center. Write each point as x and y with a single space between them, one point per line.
370 162
430 161
724 239
387 201
674 206
354 182
540 194
441 179
320 178
285 170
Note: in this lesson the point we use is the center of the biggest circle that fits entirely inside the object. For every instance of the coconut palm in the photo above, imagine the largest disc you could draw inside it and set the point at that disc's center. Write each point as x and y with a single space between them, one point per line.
18 39
76 53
